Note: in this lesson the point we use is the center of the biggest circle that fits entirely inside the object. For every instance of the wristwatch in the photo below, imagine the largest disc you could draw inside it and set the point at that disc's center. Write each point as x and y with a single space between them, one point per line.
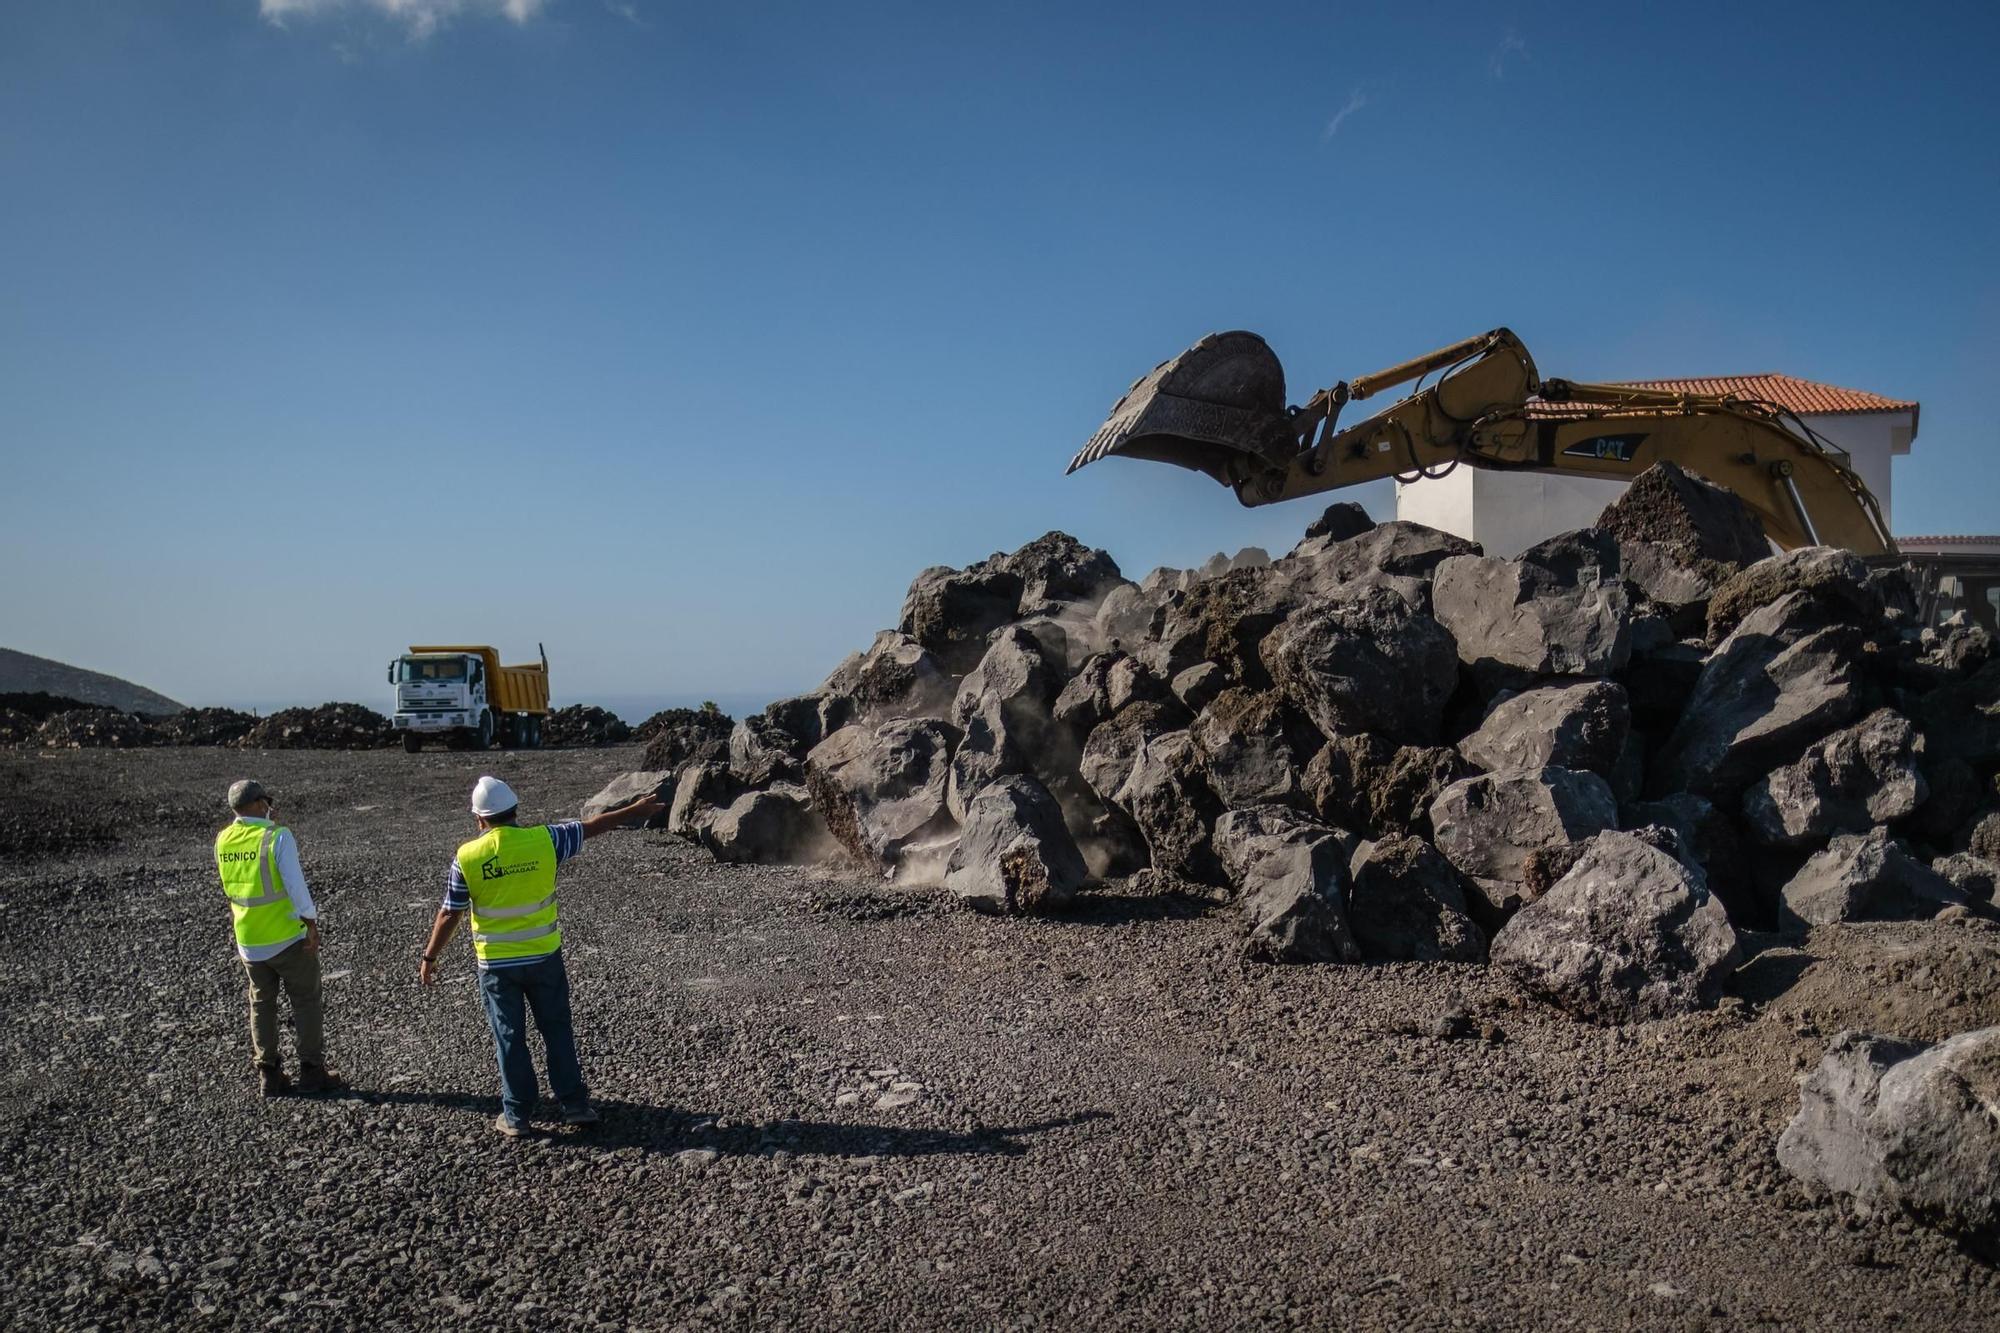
428 957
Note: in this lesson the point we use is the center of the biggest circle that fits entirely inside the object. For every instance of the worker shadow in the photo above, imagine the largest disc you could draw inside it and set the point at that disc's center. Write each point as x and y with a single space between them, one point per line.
670 1130
1123 909
653 1129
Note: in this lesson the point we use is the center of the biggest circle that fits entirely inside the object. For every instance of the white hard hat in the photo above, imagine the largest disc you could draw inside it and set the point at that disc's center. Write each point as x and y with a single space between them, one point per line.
491 796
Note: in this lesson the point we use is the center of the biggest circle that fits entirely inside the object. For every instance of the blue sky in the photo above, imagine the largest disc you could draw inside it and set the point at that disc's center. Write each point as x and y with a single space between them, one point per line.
679 337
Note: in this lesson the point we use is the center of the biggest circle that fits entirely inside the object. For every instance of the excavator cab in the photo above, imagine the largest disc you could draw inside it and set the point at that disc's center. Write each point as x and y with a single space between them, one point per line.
1218 408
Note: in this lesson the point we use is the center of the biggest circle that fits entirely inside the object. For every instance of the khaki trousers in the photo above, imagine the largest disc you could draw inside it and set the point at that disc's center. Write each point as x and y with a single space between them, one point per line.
298 972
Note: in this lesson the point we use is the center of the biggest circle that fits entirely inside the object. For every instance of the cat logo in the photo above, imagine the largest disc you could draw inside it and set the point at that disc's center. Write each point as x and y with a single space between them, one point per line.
1607 448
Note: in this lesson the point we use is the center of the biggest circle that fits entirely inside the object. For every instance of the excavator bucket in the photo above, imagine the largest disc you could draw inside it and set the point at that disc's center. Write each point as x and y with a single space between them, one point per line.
1218 407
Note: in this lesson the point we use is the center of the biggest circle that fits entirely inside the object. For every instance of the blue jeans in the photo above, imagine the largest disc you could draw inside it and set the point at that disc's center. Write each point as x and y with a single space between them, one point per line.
544 988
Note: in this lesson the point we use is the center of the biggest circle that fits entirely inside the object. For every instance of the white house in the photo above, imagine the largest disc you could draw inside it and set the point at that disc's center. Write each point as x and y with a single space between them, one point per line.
1507 512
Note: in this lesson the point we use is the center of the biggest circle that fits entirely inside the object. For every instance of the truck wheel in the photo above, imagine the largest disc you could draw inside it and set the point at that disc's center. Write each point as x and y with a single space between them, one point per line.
484 741
534 732
412 742
509 735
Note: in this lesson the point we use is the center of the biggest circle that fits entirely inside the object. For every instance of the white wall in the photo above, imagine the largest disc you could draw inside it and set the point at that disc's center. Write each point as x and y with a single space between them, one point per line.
1871 439
1507 512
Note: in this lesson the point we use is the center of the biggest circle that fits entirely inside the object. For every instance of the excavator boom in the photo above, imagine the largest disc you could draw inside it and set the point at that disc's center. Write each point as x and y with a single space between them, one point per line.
1219 408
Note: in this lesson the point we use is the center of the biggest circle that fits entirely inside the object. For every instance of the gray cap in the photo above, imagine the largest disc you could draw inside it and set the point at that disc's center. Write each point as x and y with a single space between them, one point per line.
245 790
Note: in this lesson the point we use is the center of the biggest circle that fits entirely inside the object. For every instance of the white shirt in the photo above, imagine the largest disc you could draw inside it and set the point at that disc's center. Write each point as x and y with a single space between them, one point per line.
293 876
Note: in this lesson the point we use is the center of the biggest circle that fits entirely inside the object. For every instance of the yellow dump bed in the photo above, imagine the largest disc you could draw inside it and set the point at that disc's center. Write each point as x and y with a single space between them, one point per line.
510 689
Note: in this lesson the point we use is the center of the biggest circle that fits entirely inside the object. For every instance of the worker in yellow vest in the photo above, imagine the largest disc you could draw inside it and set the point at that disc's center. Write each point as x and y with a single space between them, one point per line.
277 937
506 879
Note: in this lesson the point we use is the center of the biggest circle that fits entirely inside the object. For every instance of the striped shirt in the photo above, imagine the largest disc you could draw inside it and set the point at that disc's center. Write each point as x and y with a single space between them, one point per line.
568 838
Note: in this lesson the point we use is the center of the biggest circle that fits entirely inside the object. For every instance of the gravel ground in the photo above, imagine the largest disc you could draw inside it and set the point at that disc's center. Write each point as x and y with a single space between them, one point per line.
832 1103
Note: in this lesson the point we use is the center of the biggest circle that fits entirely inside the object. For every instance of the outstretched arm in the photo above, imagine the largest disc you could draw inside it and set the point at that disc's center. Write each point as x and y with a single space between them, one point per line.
625 816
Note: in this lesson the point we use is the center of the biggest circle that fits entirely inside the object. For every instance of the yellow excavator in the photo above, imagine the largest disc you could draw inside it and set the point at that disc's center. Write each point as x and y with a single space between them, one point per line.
1220 408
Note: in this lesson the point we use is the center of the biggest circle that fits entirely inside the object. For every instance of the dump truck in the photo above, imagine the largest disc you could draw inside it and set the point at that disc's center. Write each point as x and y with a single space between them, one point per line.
1219 408
462 695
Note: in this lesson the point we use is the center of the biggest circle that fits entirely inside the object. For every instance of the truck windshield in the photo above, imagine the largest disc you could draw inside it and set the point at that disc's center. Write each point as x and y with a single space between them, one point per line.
431 668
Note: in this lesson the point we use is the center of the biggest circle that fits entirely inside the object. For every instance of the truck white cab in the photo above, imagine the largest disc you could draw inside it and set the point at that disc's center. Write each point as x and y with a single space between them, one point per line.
464 697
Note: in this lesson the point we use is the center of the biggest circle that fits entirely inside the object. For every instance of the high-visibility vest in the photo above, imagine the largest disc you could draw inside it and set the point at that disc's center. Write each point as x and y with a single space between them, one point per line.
247 857
511 875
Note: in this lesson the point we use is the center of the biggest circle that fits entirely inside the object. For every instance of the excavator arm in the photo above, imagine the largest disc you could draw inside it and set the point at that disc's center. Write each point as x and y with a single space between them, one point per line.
1219 408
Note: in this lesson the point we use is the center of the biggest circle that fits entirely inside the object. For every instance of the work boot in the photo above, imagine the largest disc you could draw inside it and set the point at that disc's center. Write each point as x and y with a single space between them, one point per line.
509 1126
271 1082
583 1113
318 1078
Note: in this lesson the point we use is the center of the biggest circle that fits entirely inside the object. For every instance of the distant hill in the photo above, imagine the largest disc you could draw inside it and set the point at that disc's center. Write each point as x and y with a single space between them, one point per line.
24 674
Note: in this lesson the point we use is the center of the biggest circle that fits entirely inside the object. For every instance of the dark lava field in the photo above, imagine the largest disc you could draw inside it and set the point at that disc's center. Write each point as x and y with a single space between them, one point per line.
831 1102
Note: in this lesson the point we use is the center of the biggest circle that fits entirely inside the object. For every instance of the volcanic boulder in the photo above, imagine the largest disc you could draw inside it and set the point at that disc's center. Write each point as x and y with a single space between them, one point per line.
1290 877
773 827
1975 877
1581 725
1003 709
761 752
882 788
1864 877
1113 745
1398 550
1253 747
1773 687
1848 782
1359 781
1689 515
1339 521
701 790
1170 801
950 612
629 787
1952 795
1898 1125
1490 826
1199 684
1221 620
1371 664
1104 684
1124 619
1630 933
1668 587
1963 719
1560 609
1014 853
1406 903
1985 838
1835 581
1056 569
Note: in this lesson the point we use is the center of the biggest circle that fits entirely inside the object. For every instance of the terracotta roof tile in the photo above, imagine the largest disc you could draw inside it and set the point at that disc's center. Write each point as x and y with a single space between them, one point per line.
1806 397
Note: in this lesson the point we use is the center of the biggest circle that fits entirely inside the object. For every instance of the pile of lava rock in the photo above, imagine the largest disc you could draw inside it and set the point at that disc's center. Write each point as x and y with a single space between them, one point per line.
581 725
676 736
205 726
1591 764
336 726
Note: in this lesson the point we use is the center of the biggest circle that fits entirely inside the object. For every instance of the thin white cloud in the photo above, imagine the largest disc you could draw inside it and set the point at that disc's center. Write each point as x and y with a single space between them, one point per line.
420 17
1511 44
1355 101
627 10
